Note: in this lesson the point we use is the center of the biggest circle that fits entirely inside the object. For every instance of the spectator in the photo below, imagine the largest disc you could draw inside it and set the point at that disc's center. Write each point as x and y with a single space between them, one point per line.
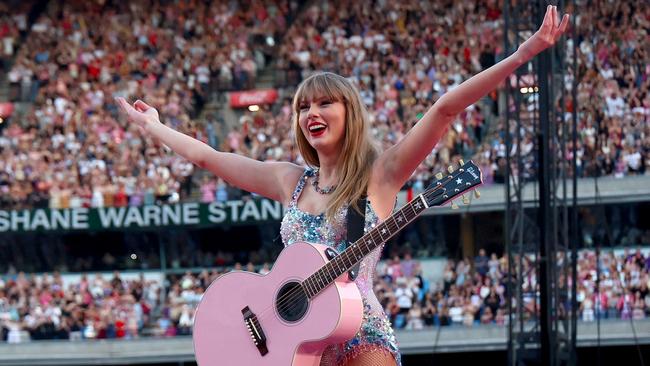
481 263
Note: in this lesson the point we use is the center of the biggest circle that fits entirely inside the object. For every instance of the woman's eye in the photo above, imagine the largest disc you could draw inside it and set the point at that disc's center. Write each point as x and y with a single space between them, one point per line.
326 102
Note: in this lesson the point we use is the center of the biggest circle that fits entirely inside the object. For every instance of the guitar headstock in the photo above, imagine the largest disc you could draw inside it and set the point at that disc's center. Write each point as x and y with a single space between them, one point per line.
459 181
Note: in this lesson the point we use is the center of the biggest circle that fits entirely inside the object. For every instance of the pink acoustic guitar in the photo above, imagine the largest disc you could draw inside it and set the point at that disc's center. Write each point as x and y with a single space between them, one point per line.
290 315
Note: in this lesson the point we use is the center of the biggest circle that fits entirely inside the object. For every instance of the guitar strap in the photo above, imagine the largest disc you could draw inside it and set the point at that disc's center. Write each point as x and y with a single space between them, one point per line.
356 223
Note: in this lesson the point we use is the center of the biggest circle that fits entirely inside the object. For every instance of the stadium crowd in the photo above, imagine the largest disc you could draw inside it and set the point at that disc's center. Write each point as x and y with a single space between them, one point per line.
71 149
13 26
468 292
403 57
473 292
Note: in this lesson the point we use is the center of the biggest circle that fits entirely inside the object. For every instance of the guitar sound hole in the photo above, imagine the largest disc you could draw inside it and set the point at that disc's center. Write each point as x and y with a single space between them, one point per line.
291 302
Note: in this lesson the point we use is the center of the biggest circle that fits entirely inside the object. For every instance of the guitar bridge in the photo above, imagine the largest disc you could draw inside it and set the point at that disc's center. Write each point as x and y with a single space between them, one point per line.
255 330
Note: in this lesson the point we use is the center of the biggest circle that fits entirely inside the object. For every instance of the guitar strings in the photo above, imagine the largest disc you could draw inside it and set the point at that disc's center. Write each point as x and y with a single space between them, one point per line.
289 304
291 297
288 301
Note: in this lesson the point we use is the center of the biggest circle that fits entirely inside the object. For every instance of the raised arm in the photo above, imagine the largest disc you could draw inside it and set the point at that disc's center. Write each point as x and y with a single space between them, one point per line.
274 180
398 162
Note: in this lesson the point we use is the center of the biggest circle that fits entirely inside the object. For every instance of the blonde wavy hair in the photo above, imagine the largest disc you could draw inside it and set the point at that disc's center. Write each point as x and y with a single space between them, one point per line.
359 150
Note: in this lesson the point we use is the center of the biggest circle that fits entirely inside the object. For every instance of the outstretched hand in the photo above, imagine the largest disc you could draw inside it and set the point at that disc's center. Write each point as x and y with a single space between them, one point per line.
139 113
550 31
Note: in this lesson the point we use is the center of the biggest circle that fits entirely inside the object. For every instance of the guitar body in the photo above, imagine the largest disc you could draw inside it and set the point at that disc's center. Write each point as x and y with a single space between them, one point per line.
294 333
306 303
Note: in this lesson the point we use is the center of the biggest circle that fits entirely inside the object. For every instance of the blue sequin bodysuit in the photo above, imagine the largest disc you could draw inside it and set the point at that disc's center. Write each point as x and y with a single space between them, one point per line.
375 332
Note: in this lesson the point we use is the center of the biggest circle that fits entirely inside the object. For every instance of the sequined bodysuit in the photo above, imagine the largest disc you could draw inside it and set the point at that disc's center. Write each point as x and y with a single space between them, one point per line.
375 332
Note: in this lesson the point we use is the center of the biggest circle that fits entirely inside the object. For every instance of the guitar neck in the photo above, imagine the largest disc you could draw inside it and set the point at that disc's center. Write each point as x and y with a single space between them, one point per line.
346 260
439 192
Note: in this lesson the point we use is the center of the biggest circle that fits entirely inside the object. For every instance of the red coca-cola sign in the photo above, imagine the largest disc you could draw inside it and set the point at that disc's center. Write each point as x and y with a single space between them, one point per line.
6 109
251 97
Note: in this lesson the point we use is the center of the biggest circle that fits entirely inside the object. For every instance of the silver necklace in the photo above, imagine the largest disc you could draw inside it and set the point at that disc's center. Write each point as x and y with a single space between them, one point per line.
326 190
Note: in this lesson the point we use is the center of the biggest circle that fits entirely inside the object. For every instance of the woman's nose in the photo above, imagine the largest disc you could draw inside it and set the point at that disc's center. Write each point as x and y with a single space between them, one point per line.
313 110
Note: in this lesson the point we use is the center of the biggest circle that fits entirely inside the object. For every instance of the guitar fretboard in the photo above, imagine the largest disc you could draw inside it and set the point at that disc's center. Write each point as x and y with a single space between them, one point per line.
343 262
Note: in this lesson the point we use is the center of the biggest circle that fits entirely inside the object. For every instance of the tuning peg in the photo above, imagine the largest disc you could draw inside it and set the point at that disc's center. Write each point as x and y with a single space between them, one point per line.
465 200
454 206
461 162
450 169
438 176
477 194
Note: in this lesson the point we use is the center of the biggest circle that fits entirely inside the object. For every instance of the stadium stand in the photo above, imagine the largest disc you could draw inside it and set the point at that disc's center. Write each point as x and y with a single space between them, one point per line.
469 293
400 69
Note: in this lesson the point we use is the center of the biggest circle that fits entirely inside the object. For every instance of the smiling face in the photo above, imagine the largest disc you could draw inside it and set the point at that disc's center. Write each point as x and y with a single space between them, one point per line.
330 119
322 122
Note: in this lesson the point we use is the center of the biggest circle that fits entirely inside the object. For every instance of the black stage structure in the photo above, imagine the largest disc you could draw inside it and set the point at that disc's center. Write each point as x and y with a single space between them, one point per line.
540 158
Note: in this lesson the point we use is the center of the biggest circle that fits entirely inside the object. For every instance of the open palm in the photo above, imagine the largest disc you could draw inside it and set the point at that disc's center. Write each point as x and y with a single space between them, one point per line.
139 113
550 31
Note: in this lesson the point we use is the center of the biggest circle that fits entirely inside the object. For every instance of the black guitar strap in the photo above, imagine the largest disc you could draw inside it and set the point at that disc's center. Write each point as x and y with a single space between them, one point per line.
356 223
